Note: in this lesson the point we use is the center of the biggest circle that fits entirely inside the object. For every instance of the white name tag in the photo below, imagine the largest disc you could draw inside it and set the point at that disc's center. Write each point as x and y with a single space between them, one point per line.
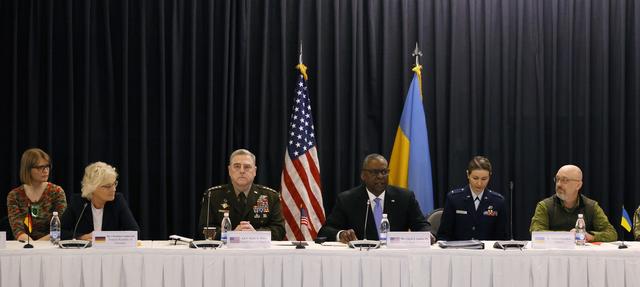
553 240
3 239
461 211
409 240
249 239
115 239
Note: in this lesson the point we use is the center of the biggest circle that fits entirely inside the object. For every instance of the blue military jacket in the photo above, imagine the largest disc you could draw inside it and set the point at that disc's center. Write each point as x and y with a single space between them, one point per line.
461 220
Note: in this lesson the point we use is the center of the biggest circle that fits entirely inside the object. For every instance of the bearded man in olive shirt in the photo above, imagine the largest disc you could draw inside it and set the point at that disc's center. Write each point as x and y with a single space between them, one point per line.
560 211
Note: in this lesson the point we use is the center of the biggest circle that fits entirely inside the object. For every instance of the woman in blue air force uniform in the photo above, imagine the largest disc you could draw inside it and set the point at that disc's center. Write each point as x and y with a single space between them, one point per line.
474 211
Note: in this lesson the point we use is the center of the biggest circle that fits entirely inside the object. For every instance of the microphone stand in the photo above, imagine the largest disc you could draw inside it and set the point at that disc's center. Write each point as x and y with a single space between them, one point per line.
367 244
504 245
206 243
73 243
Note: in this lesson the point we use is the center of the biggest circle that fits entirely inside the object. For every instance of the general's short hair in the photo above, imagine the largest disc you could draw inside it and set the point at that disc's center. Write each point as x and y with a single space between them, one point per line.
242 152
30 159
479 163
96 174
371 157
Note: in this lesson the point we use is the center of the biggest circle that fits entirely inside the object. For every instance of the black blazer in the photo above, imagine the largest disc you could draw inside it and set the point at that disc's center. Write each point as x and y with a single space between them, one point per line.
400 205
461 221
116 217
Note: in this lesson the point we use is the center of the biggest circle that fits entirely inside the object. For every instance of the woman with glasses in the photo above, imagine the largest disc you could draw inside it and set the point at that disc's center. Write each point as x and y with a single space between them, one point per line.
99 207
474 211
30 206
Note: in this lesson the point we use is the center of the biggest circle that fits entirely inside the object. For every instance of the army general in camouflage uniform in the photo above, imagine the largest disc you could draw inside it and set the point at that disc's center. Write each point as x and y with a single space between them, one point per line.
251 206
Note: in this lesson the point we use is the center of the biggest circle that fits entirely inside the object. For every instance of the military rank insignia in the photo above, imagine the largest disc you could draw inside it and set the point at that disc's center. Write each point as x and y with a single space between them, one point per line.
490 211
261 209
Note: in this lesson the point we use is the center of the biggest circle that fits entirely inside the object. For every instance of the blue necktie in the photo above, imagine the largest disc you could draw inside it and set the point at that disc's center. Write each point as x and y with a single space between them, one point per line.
377 213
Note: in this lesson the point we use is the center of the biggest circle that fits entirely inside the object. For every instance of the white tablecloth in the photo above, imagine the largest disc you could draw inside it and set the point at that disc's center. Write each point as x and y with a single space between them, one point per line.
160 264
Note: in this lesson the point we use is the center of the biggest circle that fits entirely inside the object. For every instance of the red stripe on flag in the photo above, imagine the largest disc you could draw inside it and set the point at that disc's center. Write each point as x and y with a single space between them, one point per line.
295 195
291 222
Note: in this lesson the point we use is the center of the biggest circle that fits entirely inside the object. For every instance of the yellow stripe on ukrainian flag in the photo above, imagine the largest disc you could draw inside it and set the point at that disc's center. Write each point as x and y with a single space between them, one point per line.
399 162
410 162
626 220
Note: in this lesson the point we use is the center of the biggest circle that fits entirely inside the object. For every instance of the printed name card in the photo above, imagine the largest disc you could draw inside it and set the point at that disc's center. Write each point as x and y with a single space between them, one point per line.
553 240
3 239
408 240
249 239
115 239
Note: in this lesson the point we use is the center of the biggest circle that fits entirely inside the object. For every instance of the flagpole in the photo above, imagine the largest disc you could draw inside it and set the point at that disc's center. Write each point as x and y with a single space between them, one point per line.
30 227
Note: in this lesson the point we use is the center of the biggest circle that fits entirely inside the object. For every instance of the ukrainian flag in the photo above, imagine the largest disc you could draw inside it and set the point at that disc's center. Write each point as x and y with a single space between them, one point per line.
626 220
410 160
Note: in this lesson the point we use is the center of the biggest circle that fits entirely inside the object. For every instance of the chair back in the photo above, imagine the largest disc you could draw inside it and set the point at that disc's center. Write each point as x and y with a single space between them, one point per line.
434 219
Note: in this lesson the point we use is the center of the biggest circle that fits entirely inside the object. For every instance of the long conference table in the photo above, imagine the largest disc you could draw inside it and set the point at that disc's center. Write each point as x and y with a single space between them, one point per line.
159 263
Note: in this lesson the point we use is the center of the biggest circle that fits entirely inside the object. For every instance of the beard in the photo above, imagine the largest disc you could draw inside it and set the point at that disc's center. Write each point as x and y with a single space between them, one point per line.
560 195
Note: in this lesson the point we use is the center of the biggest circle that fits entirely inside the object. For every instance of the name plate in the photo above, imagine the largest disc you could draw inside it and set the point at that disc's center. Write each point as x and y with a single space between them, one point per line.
408 240
553 240
115 239
249 239
3 239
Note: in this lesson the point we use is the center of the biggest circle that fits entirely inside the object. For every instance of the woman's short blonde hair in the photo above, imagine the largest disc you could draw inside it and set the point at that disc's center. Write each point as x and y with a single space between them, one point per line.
96 174
30 159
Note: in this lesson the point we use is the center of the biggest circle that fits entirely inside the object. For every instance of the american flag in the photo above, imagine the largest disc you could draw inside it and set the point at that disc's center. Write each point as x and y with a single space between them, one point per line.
301 187
304 220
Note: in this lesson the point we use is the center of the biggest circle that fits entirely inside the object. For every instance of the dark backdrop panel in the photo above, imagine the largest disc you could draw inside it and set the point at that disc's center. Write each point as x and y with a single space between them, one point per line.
166 90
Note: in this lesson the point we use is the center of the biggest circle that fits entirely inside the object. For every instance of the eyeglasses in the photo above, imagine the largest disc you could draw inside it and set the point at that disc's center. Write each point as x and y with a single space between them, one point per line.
377 172
41 168
109 186
564 180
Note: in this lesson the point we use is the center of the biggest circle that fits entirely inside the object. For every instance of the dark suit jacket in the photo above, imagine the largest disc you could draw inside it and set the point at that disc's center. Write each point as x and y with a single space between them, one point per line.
116 217
461 221
400 205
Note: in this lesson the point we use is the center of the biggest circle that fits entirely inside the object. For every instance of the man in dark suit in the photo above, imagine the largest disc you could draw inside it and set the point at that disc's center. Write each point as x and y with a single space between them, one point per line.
346 221
474 212
250 206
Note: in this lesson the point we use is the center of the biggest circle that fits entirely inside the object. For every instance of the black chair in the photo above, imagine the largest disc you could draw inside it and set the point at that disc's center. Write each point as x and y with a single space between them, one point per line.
5 226
434 219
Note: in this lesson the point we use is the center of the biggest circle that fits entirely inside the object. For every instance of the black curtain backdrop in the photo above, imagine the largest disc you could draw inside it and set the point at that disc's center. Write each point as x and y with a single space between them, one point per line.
166 90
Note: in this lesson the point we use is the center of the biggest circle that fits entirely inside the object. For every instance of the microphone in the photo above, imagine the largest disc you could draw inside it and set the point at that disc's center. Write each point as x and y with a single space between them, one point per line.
208 232
73 243
364 243
504 245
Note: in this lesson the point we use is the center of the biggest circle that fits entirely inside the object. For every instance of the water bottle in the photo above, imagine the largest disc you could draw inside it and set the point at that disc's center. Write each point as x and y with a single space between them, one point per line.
54 229
224 227
385 227
580 232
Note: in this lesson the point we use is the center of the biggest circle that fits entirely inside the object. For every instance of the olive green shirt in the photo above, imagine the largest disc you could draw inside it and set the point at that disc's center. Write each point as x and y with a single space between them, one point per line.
551 215
636 224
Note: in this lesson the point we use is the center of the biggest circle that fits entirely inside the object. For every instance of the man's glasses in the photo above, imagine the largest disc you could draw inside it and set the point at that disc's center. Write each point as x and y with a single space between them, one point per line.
109 186
41 168
563 180
378 172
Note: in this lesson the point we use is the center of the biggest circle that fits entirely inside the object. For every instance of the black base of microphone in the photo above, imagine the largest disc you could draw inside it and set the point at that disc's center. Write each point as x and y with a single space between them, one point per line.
364 244
205 244
622 245
299 244
28 245
74 244
511 244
